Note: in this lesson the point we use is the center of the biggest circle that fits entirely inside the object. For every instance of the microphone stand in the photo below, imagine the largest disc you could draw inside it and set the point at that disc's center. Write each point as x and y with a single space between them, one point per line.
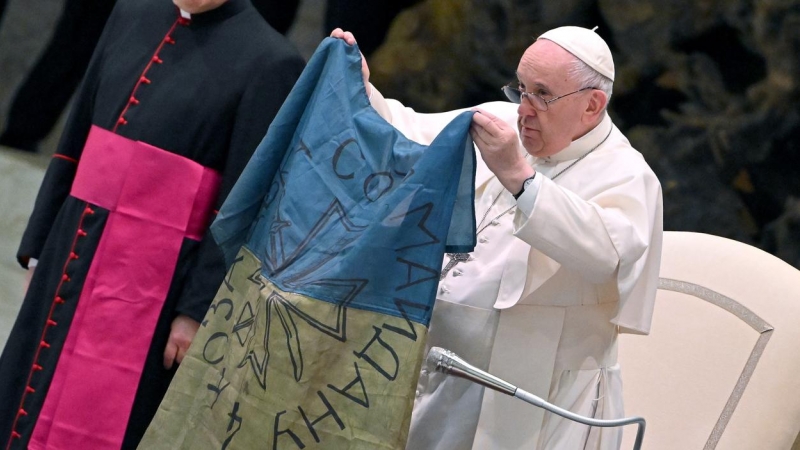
449 363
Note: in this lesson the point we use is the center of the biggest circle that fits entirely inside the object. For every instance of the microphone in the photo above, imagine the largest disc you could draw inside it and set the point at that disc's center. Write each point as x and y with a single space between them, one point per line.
447 362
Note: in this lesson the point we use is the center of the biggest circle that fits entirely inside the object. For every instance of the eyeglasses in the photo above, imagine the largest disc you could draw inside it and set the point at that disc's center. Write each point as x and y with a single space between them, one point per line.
538 102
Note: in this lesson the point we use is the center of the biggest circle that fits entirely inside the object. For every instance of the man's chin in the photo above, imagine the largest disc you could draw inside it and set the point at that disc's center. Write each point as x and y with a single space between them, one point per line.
532 146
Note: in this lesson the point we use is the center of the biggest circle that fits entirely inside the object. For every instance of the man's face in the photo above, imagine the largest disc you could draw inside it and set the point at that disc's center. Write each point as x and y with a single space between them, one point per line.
543 70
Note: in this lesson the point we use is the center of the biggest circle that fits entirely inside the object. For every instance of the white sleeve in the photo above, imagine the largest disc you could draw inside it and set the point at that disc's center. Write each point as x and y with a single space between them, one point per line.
424 127
527 200
614 235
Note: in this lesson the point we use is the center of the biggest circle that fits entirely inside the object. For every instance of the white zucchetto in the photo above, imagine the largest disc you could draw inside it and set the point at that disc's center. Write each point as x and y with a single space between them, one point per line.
586 45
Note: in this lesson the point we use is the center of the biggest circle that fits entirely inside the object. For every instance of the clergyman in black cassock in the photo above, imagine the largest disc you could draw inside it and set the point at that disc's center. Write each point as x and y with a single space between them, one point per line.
162 90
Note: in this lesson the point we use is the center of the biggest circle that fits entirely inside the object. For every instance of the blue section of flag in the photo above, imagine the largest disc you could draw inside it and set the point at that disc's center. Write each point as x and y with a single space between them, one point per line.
338 205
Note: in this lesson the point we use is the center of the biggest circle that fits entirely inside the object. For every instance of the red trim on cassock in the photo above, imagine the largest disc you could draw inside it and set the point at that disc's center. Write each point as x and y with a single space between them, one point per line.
143 79
155 200
72 160
58 300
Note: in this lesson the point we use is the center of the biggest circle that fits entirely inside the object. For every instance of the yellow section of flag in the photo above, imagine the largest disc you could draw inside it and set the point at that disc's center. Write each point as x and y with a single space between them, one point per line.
276 370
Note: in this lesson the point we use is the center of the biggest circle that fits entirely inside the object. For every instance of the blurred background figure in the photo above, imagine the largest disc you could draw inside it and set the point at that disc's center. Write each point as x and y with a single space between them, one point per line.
49 85
280 14
47 88
370 21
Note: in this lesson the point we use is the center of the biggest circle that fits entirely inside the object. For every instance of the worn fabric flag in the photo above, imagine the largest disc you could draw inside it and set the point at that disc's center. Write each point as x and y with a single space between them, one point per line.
334 236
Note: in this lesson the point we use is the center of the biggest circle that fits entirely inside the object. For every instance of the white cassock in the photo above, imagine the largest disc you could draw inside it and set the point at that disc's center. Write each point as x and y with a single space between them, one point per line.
544 295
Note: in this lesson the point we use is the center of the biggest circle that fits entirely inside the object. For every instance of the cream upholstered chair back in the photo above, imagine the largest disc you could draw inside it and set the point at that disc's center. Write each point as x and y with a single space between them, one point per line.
721 367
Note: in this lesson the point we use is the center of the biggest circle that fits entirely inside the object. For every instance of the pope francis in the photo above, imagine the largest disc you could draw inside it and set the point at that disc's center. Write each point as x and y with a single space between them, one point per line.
569 224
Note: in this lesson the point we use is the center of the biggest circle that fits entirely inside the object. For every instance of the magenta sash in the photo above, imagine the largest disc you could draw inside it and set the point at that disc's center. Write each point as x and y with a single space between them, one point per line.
155 200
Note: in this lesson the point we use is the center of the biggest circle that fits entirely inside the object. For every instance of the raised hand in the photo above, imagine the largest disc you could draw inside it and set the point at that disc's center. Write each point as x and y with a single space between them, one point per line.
500 149
348 37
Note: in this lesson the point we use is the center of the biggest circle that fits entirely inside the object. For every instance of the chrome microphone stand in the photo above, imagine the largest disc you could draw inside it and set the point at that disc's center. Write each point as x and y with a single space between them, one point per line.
449 363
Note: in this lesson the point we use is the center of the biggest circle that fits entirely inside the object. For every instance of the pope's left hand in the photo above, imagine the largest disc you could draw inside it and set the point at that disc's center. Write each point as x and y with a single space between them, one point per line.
501 150
180 337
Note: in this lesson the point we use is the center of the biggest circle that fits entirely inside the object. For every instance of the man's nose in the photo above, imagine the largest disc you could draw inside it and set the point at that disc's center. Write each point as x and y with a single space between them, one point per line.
525 108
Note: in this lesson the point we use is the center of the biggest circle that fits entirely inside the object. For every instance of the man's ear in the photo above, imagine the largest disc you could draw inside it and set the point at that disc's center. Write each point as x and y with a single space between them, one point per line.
596 106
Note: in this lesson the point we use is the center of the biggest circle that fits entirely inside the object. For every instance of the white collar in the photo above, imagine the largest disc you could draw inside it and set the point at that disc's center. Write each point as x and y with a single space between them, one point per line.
583 144
185 14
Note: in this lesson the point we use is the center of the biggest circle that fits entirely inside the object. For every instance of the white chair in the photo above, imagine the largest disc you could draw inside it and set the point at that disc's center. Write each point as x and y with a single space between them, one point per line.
721 367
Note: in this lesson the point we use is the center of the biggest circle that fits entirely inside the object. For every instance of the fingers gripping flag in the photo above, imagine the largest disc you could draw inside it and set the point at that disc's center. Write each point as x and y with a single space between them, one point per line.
334 237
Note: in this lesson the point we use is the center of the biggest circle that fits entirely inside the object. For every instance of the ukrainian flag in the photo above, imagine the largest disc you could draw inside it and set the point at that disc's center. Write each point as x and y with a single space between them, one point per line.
334 236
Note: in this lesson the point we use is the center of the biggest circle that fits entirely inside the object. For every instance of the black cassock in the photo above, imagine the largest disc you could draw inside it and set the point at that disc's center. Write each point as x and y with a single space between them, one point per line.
205 89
